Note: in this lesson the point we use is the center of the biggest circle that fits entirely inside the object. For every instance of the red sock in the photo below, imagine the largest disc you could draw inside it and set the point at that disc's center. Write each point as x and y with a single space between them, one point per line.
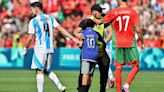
132 74
118 78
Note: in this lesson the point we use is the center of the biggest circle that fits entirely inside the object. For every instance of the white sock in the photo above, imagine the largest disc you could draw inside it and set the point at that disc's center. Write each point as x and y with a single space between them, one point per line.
54 78
40 82
126 85
110 74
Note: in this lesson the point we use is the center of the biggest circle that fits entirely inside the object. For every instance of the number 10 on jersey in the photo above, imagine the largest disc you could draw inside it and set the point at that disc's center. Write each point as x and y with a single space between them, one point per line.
90 42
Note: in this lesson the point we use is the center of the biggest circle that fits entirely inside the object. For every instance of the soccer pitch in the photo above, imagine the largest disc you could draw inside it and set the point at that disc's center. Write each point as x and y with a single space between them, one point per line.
24 81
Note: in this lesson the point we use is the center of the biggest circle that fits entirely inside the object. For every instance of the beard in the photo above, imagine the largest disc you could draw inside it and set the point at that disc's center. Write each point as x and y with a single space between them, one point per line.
33 15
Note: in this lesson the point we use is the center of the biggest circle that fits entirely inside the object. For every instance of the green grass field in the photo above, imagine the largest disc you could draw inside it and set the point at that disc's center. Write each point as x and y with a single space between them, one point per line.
24 81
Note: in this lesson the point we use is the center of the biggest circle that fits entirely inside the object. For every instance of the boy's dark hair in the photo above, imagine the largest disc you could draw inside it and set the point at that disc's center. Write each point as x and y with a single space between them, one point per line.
124 0
37 4
89 23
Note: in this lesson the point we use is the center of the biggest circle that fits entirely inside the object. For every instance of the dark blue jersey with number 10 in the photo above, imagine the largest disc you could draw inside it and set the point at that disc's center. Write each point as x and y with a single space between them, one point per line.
89 47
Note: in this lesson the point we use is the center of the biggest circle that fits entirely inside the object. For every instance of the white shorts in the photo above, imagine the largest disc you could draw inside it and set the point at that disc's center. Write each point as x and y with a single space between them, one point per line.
41 60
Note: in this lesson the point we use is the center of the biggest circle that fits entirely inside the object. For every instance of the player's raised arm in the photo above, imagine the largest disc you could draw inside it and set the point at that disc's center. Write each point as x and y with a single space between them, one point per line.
108 18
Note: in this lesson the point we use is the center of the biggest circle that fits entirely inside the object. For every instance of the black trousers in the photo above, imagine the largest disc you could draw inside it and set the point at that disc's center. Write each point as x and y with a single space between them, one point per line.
103 63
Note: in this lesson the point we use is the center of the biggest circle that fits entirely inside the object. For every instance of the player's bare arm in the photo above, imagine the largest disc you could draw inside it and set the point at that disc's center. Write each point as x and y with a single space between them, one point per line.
66 33
28 41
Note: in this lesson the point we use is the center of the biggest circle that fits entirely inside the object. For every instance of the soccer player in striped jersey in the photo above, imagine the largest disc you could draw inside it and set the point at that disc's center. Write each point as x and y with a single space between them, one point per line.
41 29
125 22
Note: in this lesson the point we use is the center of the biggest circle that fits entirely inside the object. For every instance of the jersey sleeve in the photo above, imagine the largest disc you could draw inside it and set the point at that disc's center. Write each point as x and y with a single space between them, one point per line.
109 17
54 22
31 29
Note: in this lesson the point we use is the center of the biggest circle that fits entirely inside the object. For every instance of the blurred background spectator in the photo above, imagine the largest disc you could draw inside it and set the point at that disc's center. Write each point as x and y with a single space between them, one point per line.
15 15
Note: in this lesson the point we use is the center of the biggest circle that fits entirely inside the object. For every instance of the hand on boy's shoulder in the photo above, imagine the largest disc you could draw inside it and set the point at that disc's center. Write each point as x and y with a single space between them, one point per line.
81 43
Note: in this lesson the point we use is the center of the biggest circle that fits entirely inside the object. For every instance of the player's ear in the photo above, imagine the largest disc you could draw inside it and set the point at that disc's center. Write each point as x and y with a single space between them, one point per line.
36 10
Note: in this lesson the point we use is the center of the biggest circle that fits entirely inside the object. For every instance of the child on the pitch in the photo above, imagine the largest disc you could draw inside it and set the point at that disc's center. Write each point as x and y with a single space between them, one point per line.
89 54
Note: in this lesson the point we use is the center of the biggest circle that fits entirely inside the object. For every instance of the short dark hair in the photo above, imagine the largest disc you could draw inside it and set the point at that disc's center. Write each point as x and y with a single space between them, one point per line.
96 7
124 0
89 23
37 4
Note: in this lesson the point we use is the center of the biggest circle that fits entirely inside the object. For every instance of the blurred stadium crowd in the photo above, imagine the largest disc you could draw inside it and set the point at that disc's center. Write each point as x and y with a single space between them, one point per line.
15 14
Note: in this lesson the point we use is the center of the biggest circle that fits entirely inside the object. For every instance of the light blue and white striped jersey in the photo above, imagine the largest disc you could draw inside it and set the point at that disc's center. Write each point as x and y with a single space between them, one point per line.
42 26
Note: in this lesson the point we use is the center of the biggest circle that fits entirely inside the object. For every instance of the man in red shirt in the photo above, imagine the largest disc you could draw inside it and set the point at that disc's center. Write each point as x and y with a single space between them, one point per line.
125 22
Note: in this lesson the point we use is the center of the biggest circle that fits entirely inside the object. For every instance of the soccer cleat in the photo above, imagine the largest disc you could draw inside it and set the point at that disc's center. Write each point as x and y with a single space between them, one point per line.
125 89
62 89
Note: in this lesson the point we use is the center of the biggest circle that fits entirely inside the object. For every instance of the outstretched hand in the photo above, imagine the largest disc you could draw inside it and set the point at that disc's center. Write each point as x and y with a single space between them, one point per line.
78 42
